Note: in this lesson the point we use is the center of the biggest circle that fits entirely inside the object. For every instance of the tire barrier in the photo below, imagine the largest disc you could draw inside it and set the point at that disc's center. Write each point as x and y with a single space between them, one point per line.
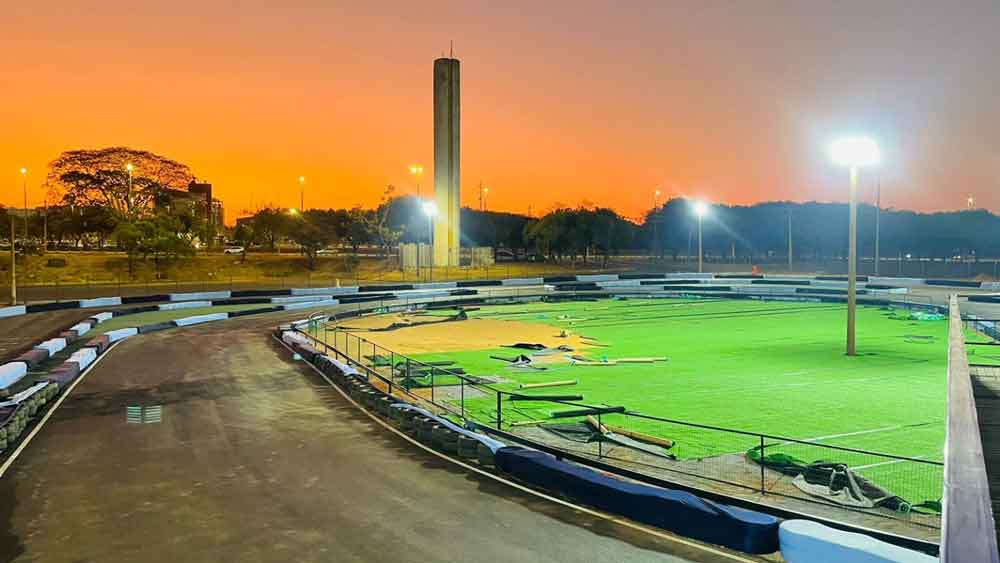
153 327
55 306
100 343
804 541
184 305
677 511
260 292
134 310
33 357
479 283
248 312
198 319
129 299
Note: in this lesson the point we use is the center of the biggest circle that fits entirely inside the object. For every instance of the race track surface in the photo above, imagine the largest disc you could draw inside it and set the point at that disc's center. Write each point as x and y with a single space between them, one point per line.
254 458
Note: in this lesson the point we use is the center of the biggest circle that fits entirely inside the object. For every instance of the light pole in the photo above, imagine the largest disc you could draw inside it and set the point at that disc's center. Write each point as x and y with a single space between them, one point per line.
129 168
652 217
853 153
24 186
430 210
483 192
970 203
416 170
700 209
878 212
302 193
13 265
789 239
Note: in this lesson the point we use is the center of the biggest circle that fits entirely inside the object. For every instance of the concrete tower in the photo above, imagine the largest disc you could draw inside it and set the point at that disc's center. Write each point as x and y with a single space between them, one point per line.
447 162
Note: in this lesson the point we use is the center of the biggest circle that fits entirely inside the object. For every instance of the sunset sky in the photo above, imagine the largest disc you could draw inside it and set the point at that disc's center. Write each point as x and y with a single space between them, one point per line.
562 102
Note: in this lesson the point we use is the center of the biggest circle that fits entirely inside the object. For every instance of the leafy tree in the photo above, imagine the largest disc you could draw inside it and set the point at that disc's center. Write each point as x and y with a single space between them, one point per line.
244 236
99 177
311 235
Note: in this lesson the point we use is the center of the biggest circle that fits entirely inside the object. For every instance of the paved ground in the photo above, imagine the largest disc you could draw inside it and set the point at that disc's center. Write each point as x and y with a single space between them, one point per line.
20 333
255 460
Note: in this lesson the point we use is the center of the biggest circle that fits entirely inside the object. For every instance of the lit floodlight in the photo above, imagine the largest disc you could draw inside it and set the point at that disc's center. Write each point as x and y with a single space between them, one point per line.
430 208
302 179
293 211
24 171
129 167
855 152
700 209
416 169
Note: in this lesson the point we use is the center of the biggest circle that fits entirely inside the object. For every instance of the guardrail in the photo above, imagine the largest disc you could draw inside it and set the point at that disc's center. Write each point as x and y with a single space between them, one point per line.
968 529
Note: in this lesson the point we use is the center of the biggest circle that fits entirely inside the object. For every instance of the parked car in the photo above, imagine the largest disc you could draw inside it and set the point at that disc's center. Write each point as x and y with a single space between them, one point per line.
503 255
234 250
323 251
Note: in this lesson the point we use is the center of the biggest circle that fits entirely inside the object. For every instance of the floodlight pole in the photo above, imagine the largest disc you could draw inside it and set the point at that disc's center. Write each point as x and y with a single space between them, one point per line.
13 265
789 240
852 266
878 211
700 253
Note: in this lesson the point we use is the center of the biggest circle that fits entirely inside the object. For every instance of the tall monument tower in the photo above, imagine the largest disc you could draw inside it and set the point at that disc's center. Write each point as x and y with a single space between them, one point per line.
447 162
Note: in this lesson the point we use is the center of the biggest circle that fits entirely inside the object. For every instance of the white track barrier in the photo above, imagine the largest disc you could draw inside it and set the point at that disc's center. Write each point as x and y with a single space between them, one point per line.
184 305
435 285
11 373
121 334
309 304
522 281
100 302
300 299
597 278
200 296
52 345
12 311
80 329
198 319
83 357
804 541
101 317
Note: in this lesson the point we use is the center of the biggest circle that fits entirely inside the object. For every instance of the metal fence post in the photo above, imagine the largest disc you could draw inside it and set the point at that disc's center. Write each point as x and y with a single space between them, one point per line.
762 491
462 395
406 376
432 383
499 414
600 437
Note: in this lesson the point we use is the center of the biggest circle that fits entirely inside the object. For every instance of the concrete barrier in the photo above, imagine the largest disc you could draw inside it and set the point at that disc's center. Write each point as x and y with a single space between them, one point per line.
309 304
80 328
101 317
33 357
12 311
804 541
83 357
100 302
689 276
198 319
300 298
53 345
183 305
200 296
11 373
896 281
986 285
120 334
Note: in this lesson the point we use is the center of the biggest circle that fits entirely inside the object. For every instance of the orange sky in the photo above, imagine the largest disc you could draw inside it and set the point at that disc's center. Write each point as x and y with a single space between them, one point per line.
563 102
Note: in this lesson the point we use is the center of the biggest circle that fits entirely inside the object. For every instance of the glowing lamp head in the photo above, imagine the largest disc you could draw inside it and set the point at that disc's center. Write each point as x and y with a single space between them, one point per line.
700 209
416 169
657 193
24 171
430 208
293 211
129 167
302 179
855 152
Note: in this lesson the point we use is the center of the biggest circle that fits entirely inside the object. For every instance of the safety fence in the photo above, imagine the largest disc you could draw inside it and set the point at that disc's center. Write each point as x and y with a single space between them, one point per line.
700 455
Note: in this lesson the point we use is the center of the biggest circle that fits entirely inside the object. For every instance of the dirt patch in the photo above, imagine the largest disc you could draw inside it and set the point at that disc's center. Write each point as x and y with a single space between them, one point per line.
457 336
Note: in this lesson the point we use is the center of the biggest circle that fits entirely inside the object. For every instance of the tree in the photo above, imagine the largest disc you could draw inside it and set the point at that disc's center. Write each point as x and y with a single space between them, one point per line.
244 236
378 225
311 235
100 177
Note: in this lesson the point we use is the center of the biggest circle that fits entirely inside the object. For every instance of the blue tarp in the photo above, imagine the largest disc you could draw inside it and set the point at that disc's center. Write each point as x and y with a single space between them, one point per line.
677 511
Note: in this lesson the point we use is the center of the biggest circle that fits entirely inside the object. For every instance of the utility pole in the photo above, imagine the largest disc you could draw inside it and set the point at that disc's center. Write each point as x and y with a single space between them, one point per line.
24 186
878 211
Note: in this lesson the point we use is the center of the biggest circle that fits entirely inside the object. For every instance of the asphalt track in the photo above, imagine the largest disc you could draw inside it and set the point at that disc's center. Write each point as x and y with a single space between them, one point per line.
257 459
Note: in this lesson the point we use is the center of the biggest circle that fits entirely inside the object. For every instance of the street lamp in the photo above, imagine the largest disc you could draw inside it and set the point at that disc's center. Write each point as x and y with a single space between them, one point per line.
302 192
24 186
129 168
430 210
970 202
417 170
700 210
853 153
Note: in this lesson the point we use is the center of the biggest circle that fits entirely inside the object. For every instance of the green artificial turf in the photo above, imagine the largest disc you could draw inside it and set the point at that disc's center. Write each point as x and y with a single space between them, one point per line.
776 368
